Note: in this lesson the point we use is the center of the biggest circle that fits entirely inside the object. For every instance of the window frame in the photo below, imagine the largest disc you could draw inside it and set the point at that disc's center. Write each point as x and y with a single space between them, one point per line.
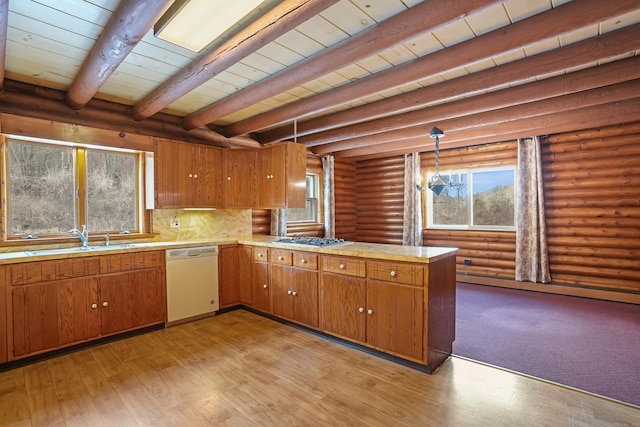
318 211
428 205
143 215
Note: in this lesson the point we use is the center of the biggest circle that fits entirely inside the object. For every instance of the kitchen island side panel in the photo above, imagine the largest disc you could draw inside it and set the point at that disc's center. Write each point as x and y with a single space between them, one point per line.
440 305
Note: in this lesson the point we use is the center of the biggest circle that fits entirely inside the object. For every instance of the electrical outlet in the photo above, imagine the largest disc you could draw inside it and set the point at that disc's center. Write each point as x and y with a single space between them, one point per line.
175 222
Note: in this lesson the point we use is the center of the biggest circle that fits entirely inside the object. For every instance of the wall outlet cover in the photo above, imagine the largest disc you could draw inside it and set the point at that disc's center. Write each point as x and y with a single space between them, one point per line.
175 222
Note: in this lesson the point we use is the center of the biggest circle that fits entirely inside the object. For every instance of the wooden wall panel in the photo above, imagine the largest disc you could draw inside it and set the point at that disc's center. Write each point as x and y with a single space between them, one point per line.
261 222
491 253
592 201
345 199
380 200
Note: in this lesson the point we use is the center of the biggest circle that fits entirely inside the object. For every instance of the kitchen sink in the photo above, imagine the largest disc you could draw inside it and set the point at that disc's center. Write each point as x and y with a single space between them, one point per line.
80 249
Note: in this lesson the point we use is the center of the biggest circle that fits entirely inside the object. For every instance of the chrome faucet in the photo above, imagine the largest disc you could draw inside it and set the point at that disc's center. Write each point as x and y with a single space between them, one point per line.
83 235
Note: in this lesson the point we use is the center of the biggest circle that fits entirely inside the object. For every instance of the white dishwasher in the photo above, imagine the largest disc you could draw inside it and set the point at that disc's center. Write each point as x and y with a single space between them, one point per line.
192 283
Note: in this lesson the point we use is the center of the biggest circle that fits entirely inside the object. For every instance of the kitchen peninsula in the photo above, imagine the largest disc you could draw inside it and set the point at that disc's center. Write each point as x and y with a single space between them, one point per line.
397 300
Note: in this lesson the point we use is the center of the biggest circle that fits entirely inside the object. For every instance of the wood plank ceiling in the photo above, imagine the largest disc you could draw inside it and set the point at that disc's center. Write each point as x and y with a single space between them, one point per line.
360 78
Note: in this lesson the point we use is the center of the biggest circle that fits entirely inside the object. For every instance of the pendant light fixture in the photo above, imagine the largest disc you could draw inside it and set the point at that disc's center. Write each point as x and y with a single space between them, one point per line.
437 183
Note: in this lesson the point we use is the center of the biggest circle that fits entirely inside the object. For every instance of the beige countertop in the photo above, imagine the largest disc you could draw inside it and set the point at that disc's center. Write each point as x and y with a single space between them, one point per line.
423 254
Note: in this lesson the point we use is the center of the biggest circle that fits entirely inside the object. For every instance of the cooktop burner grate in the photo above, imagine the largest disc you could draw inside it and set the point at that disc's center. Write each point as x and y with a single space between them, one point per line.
314 241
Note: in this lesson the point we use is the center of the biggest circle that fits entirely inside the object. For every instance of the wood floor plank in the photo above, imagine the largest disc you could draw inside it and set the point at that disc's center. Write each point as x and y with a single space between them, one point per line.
240 369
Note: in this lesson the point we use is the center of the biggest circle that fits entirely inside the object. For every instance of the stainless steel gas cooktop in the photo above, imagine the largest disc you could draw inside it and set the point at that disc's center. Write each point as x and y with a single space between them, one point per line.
314 241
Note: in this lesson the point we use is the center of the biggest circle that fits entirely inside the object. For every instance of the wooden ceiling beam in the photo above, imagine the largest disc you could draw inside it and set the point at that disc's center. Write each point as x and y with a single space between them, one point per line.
266 28
555 22
598 96
599 48
127 26
578 81
417 20
4 22
48 104
610 114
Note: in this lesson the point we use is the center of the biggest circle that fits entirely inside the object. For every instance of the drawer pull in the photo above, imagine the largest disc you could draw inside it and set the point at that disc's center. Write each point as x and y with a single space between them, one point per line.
260 255
303 261
361 309
265 286
393 274
341 266
280 258
94 306
369 311
289 292
294 293
105 304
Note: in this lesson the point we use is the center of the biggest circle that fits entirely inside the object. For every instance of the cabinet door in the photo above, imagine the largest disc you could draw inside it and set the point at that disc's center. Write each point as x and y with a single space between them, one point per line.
3 315
395 318
228 281
304 284
244 275
343 306
149 296
208 177
171 174
281 291
35 318
271 177
261 288
78 310
117 306
240 179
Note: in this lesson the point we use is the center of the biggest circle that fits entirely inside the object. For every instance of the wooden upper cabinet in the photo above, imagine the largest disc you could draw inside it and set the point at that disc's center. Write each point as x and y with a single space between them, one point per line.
281 176
240 178
188 175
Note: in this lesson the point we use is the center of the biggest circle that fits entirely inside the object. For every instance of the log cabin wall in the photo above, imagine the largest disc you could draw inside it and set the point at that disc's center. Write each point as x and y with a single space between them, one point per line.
592 203
492 253
344 181
380 200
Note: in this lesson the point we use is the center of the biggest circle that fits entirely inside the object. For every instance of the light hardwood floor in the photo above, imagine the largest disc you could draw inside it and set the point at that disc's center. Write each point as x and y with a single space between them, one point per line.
240 369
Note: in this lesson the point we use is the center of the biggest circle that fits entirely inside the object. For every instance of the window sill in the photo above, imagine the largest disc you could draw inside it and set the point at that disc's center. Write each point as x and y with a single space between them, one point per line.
74 239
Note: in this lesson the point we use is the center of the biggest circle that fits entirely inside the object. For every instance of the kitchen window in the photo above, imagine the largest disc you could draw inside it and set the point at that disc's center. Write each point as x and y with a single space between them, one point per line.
311 212
475 198
52 187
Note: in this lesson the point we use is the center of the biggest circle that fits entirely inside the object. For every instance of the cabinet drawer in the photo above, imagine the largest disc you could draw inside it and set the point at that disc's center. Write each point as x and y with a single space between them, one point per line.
305 260
344 265
395 272
261 254
281 257
45 271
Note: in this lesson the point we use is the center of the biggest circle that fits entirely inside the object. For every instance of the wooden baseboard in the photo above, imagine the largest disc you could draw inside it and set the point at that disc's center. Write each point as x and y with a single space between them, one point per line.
578 291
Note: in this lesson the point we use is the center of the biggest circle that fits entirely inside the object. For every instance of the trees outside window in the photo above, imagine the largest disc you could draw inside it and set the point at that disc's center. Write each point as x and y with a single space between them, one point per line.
478 198
53 188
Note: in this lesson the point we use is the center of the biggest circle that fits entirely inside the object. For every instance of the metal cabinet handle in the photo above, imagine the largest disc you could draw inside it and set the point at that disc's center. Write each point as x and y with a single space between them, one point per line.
393 274
105 304
369 311
289 292
228 178
341 266
260 255
303 261
265 286
294 293
280 258
94 306
361 309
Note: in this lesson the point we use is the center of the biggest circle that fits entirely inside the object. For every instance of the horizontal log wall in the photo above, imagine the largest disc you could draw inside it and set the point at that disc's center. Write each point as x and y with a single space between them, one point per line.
491 253
380 200
592 202
344 181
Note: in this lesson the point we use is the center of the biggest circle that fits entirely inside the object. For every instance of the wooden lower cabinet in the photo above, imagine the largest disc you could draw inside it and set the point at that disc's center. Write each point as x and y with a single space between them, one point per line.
234 284
4 332
260 283
383 314
55 309
294 286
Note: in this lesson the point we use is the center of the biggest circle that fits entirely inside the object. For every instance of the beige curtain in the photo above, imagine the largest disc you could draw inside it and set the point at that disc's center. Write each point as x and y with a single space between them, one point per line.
329 196
279 222
412 218
532 256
